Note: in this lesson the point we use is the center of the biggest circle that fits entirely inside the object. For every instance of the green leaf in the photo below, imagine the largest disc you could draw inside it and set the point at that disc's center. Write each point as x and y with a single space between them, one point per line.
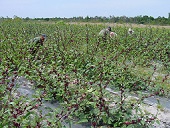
12 103
157 121
28 114
90 90
84 120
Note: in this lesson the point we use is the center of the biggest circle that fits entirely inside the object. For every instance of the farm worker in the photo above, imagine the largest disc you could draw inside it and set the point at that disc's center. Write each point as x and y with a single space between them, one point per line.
36 42
130 31
104 33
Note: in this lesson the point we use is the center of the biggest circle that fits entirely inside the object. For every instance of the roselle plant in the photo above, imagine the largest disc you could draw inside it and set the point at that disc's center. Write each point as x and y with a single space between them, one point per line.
18 110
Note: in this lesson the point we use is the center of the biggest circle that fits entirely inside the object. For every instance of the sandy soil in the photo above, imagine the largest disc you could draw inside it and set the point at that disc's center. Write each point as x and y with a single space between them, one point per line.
125 24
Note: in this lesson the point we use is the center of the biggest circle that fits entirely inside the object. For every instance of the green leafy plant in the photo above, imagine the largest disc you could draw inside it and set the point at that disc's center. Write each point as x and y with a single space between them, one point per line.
74 67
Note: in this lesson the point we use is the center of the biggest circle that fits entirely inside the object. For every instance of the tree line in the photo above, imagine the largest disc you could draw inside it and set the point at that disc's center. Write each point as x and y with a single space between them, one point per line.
111 19
119 19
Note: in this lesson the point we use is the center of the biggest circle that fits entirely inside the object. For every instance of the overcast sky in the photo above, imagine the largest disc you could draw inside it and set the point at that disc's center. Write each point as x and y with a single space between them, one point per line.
75 8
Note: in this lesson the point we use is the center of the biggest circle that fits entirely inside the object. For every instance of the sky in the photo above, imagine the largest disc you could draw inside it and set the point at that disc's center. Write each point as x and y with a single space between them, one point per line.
76 8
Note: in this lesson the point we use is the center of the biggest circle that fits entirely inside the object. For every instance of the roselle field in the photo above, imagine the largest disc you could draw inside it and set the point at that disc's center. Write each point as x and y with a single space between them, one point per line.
75 67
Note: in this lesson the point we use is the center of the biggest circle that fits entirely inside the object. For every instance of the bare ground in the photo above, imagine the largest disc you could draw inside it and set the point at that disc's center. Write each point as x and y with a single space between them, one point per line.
125 24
